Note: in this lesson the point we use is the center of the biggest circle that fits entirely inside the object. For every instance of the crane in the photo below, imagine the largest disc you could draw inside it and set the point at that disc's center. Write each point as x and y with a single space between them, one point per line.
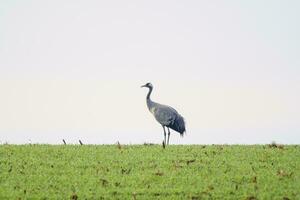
165 115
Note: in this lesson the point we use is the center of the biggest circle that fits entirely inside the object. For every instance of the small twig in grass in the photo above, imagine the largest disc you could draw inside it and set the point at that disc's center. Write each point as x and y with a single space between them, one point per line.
190 161
275 145
64 142
134 195
119 145
74 196
80 142
148 144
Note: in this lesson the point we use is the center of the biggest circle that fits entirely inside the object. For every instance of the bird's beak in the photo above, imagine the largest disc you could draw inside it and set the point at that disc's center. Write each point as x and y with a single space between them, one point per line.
143 86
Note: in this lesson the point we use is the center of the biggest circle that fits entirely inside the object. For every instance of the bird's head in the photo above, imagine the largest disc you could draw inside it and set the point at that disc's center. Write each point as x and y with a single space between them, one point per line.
148 85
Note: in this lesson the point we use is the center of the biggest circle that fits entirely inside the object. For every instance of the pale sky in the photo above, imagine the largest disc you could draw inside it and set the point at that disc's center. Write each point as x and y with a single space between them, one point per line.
73 70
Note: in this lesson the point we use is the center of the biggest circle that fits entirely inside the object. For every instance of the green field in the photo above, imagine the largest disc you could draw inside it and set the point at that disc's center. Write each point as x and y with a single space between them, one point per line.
149 172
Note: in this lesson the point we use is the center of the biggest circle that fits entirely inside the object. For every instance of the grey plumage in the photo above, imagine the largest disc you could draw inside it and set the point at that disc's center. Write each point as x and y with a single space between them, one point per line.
165 115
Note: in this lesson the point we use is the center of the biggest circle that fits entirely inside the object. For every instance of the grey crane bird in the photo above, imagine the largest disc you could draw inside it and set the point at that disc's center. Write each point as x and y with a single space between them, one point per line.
165 115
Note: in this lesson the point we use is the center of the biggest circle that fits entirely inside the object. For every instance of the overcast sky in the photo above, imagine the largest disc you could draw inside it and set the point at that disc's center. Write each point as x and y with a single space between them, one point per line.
73 70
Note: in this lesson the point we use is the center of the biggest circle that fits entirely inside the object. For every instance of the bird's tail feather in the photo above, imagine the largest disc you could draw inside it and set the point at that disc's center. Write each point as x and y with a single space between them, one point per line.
179 125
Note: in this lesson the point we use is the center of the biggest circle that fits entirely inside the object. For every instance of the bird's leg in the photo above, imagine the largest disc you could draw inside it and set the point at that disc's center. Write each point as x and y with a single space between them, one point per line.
168 135
164 134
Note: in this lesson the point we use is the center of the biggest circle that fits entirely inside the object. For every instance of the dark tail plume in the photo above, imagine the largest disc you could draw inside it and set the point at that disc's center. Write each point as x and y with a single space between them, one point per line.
179 125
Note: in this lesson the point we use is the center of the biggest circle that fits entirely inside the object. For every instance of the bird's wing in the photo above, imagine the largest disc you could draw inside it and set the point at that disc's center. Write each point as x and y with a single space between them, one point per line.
165 115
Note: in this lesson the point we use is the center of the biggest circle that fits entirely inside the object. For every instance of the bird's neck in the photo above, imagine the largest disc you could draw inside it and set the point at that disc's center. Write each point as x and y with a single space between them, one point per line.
148 100
149 93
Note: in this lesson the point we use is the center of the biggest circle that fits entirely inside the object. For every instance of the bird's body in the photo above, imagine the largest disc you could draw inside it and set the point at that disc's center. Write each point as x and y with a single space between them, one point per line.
165 115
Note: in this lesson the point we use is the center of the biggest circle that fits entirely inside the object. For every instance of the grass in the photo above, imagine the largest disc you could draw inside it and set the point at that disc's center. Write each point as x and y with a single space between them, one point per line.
149 172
